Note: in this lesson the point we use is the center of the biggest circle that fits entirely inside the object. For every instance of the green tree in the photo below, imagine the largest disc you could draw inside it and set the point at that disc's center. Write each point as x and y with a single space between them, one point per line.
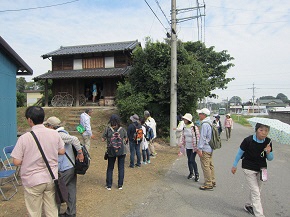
236 100
283 97
200 70
20 84
21 99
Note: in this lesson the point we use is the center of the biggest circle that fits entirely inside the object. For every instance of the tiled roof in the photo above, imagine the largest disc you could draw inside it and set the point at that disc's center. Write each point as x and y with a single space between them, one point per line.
93 48
22 67
85 73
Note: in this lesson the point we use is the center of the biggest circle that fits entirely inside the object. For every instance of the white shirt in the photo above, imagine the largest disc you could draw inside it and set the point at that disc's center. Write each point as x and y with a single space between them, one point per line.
85 120
151 123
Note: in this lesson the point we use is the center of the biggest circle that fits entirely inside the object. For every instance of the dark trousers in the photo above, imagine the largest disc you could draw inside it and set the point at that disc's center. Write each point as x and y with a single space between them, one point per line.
135 148
70 179
121 170
192 166
146 154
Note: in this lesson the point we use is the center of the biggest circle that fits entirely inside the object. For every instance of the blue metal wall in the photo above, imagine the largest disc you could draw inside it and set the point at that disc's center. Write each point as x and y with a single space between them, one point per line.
8 123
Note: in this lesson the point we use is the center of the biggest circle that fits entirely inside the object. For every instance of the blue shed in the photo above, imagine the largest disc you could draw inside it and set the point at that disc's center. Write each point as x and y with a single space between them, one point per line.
11 65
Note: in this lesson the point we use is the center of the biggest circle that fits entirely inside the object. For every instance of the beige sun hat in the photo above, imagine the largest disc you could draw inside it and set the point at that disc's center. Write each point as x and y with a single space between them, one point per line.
188 117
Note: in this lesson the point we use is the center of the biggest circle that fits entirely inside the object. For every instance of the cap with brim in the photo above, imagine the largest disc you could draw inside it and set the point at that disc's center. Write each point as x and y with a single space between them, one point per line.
204 111
134 118
53 121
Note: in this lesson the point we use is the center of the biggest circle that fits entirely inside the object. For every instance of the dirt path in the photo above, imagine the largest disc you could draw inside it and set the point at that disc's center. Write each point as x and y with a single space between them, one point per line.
92 197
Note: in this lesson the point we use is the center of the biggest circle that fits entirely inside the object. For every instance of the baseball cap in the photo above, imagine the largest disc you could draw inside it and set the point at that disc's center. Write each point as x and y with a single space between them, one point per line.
53 121
204 111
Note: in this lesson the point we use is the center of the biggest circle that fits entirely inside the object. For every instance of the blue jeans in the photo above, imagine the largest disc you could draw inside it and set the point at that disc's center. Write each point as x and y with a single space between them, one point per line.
146 153
135 148
110 169
192 166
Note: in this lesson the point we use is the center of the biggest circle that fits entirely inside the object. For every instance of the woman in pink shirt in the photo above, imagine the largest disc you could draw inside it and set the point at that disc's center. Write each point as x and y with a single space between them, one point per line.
228 126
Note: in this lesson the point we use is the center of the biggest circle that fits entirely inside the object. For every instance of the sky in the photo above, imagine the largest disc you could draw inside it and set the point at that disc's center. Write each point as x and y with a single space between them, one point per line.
255 33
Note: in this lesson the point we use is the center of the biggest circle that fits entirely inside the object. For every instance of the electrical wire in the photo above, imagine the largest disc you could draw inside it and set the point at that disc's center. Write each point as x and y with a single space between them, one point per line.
162 11
155 15
40 7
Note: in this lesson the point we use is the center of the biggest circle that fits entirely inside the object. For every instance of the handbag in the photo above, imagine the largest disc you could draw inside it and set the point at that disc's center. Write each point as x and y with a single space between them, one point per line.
61 192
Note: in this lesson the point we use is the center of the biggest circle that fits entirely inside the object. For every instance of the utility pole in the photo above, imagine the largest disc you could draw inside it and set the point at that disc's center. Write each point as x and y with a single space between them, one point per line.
173 84
253 97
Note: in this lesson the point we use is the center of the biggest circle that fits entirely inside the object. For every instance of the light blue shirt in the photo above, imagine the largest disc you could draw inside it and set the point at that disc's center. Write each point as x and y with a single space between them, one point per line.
85 120
205 136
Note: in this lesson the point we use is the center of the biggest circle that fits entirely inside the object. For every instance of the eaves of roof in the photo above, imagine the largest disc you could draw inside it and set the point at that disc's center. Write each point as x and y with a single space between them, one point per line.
85 73
93 48
22 67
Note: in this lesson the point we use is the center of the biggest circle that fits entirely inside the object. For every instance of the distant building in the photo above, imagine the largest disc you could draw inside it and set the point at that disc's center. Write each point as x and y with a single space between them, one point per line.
32 96
11 65
271 103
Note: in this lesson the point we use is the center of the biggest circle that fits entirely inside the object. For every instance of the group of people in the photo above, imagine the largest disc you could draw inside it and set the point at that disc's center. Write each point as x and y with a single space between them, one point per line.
254 151
57 144
195 140
135 146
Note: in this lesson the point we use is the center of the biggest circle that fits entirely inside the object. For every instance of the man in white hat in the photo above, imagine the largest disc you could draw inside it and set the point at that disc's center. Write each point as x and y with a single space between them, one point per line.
149 121
205 151
65 167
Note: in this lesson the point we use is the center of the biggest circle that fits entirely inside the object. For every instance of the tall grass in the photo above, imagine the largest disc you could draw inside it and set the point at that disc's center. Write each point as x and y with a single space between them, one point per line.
241 119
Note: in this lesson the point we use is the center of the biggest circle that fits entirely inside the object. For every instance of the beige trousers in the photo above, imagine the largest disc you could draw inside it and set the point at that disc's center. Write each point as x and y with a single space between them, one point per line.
208 168
41 196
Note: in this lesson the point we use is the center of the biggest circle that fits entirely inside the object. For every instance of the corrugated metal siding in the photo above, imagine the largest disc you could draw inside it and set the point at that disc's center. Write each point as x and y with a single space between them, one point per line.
8 123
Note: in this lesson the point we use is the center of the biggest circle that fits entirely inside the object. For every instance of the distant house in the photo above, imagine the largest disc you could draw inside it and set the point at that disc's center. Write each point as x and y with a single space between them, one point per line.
11 65
32 96
269 103
76 68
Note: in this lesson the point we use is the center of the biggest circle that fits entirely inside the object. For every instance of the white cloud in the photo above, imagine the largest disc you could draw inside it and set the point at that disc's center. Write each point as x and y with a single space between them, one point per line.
255 33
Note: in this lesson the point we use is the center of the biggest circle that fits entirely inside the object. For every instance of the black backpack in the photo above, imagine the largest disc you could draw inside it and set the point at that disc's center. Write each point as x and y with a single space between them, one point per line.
80 167
149 133
116 144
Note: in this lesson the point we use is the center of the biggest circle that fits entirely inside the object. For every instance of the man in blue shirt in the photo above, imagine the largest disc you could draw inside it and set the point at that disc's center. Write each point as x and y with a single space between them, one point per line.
85 121
205 151
65 167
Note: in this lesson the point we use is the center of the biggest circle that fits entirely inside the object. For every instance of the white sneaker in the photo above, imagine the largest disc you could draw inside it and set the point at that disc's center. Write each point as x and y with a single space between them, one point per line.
109 189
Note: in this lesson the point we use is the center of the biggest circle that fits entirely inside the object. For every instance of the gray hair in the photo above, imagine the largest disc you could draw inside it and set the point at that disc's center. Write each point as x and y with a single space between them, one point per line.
88 110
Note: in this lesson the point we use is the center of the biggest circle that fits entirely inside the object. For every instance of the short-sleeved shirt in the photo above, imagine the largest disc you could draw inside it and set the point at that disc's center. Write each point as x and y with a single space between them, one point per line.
254 157
33 170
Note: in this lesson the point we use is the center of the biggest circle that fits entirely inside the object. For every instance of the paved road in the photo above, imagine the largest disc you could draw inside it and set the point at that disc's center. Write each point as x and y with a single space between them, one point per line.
177 196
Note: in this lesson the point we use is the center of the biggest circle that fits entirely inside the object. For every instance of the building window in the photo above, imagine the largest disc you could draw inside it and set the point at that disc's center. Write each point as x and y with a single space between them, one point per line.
62 64
120 61
93 63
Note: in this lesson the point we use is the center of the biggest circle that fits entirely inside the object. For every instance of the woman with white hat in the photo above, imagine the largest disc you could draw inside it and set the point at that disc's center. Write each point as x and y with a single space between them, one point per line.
190 137
228 126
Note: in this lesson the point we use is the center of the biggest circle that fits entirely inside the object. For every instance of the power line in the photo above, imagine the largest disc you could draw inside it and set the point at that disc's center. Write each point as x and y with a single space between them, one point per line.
40 7
155 15
162 11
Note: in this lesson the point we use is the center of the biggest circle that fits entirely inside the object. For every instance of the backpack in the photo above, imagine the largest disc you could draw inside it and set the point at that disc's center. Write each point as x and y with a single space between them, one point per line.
215 141
116 144
138 135
149 133
80 167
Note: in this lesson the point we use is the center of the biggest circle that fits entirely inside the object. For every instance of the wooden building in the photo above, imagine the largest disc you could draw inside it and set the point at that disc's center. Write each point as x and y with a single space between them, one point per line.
11 65
76 68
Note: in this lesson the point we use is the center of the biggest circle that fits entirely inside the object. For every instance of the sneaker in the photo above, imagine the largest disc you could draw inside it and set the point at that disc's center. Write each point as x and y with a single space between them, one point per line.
249 209
180 154
148 161
190 176
131 166
137 165
144 162
213 184
108 188
206 188
196 179
120 187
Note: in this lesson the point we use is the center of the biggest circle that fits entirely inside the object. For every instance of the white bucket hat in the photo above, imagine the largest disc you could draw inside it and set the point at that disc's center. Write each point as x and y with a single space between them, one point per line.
188 117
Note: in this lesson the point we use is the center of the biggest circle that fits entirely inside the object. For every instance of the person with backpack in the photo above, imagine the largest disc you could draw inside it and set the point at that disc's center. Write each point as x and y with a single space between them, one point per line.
144 144
254 151
151 123
218 124
116 137
65 167
228 126
135 136
189 139
205 151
